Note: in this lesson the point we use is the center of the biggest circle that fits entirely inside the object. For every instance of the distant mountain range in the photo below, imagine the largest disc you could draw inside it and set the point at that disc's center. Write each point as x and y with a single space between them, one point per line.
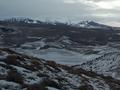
83 24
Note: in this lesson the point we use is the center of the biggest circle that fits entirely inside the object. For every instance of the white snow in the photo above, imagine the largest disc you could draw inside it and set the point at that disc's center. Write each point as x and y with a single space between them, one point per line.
51 88
34 45
5 85
3 71
65 40
99 84
3 55
90 24
29 76
108 65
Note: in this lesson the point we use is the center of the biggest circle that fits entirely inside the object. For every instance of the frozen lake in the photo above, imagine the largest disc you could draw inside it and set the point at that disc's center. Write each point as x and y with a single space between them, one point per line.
61 56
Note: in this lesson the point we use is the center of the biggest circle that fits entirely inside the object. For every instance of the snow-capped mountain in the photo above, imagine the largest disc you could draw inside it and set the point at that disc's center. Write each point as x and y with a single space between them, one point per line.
91 24
21 72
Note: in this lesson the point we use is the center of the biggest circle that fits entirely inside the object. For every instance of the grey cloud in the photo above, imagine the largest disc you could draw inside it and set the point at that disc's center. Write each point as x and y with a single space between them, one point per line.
98 0
55 10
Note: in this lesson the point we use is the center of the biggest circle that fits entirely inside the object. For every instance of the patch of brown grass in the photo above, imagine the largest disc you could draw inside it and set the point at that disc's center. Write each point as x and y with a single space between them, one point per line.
14 76
13 59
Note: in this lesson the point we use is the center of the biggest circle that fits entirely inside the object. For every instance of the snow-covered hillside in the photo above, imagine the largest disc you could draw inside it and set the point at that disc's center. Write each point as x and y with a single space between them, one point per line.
100 59
107 64
94 47
21 72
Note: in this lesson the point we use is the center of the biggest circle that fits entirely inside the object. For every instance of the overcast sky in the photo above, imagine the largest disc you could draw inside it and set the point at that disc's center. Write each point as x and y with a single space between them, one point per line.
104 11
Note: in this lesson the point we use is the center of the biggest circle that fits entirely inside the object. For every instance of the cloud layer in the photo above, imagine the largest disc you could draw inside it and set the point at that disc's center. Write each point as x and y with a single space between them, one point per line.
105 11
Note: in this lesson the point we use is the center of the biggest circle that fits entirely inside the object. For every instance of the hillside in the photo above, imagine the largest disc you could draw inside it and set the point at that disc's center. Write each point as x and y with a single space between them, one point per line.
15 33
86 58
21 72
108 64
